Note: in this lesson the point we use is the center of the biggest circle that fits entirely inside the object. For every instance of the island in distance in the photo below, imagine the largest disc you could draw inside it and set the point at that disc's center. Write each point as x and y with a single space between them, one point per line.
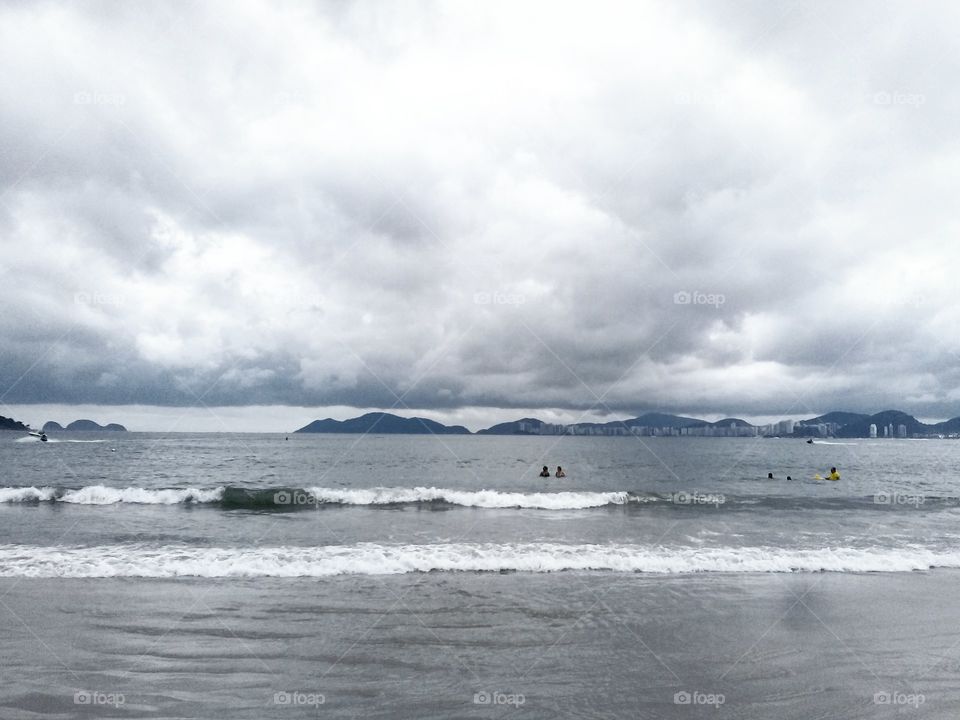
11 424
383 423
886 424
82 426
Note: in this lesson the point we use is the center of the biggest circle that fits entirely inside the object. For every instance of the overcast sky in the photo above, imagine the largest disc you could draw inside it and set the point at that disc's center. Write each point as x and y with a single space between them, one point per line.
476 210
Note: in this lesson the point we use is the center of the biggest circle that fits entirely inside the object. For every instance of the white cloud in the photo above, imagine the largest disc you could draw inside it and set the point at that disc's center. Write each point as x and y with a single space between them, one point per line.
479 205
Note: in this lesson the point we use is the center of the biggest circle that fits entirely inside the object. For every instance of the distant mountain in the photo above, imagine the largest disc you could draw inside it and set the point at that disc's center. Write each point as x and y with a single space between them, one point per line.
661 420
82 426
726 422
535 426
383 423
947 426
11 424
524 426
838 416
861 428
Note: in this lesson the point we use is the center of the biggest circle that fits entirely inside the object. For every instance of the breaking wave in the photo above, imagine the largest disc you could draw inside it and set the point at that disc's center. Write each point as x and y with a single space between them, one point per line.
381 559
289 499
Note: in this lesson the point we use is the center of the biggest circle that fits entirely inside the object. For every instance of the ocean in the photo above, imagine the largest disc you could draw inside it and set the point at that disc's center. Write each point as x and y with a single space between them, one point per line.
270 576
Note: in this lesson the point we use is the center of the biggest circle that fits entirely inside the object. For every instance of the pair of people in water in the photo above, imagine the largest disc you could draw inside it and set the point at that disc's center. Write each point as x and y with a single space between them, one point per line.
834 475
546 472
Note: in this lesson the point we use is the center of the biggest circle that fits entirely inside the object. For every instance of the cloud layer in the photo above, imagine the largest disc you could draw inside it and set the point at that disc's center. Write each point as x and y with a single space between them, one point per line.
716 207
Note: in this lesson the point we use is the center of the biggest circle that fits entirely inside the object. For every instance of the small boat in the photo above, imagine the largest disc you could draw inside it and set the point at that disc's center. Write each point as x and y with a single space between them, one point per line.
41 435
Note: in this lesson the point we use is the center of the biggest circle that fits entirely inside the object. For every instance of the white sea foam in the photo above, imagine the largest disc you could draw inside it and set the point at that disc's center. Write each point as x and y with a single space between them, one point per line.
102 495
377 559
26 494
468 498
31 438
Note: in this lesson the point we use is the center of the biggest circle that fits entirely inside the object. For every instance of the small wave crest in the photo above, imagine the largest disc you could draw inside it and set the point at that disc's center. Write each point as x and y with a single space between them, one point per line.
31 438
379 559
103 495
467 498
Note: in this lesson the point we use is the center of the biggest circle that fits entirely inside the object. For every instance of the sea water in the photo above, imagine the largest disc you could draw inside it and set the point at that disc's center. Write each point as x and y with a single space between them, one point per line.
415 576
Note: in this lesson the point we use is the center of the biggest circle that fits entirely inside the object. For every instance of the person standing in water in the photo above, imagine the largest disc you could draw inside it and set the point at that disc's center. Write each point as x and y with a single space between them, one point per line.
560 472
834 475
545 472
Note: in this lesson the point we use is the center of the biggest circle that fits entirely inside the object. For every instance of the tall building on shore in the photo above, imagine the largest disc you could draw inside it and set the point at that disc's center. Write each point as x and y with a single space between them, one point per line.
873 430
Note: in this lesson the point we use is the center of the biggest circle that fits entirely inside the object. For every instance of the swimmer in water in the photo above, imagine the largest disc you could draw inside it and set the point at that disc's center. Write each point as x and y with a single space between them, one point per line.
545 472
560 472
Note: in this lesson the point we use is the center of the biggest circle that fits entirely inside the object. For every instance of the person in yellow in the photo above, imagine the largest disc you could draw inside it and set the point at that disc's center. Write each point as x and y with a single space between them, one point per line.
834 475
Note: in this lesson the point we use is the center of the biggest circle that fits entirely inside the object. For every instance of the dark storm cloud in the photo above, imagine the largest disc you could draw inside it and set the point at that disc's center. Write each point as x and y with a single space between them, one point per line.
743 208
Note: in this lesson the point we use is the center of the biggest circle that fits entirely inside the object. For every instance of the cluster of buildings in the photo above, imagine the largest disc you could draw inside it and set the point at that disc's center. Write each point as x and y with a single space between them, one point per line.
888 431
623 430
617 430
716 430
790 428
783 428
